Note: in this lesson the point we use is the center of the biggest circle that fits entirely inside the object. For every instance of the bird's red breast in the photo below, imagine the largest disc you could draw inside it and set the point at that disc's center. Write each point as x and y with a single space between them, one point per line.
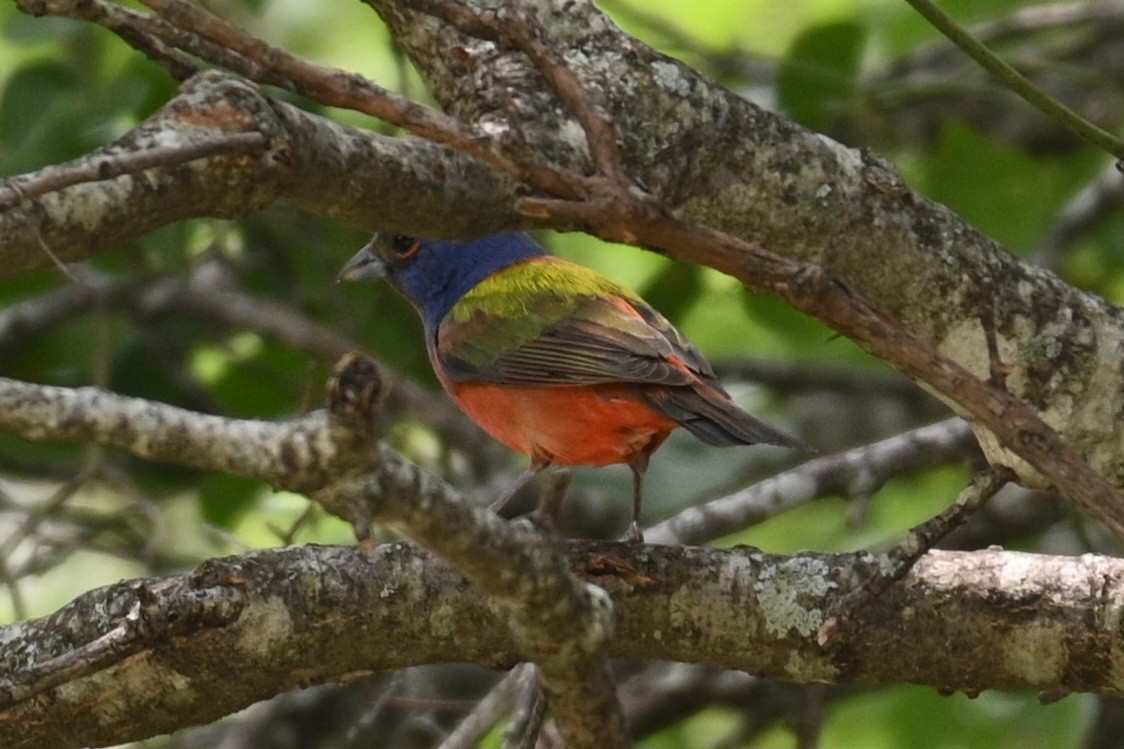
578 425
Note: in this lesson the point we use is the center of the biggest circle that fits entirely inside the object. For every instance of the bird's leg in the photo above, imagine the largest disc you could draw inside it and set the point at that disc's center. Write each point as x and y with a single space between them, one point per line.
553 495
638 463
537 464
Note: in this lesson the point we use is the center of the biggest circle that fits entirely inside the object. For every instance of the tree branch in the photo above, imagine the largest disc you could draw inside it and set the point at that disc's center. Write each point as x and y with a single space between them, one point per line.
53 179
728 185
561 623
274 620
1014 433
792 193
859 471
300 166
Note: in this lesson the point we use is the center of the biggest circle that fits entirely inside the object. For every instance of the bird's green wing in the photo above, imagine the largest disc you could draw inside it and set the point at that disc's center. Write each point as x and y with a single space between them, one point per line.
554 323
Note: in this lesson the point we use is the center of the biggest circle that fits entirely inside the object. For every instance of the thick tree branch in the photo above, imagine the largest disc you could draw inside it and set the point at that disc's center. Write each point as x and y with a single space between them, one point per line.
412 182
248 627
311 454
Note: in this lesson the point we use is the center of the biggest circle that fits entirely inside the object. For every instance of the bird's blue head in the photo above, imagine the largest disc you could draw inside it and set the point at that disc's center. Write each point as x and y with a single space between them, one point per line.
434 274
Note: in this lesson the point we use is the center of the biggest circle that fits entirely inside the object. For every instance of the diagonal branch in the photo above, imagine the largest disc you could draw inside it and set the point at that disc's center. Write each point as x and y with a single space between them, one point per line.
823 205
345 89
814 290
621 214
858 471
920 540
513 25
1016 81
52 179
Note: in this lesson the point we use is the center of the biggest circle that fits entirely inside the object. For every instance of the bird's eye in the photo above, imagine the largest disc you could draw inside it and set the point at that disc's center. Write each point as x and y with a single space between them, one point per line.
404 246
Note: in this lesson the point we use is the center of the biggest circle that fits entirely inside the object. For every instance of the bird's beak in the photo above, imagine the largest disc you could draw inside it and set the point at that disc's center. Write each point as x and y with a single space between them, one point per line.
365 265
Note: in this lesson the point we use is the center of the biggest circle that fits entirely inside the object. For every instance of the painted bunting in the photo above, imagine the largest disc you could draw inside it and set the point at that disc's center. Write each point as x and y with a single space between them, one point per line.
553 359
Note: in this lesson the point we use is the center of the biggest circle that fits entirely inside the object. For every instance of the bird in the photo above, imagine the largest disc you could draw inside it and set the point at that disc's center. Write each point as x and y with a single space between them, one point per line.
554 359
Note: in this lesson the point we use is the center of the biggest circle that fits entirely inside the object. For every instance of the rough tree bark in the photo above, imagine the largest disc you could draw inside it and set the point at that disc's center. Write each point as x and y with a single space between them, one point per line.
240 629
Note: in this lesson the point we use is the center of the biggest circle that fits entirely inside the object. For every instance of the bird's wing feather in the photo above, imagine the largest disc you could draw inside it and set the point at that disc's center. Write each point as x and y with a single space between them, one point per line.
566 339
684 349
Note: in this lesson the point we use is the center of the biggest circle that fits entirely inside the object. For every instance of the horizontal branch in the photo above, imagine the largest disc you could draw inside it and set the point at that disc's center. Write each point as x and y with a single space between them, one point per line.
718 162
736 609
246 628
190 160
291 454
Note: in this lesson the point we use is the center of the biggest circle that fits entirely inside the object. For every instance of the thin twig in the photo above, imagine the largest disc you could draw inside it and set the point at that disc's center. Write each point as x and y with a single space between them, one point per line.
107 167
861 470
554 494
530 712
1049 16
287 535
817 291
619 213
12 581
623 215
371 715
900 559
55 259
515 27
489 710
149 35
800 376
44 510
87 659
1016 81
341 88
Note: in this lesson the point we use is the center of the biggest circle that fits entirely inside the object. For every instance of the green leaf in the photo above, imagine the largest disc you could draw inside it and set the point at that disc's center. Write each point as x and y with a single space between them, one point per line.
224 499
816 83
1003 192
675 289
26 31
30 106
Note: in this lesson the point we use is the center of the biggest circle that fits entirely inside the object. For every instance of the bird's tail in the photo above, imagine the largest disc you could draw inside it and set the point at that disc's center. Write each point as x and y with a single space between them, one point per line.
711 416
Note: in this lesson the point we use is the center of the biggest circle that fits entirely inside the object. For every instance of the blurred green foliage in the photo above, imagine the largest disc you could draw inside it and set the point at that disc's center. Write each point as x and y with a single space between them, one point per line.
67 88
817 80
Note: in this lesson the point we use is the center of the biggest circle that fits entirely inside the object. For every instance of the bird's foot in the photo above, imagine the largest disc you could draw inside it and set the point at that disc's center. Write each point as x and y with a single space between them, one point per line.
634 534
